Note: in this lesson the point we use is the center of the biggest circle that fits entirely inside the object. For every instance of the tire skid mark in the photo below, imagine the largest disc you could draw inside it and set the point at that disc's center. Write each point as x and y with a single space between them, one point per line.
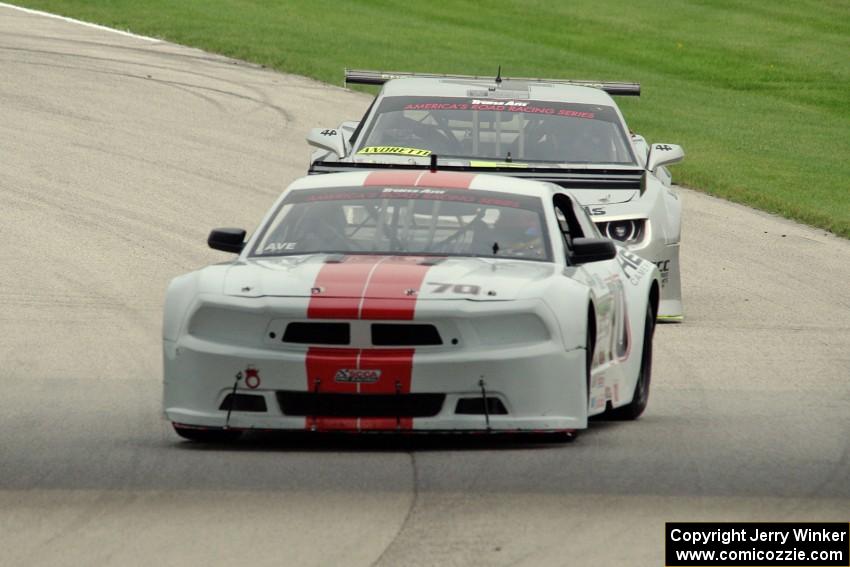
408 515
305 83
263 100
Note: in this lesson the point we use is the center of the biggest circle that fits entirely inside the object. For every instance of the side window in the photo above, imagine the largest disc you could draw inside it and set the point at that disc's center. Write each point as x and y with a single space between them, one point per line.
357 130
568 225
563 226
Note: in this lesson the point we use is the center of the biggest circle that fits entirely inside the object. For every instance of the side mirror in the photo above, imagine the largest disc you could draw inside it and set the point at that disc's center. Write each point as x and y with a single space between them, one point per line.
664 154
227 239
586 250
329 139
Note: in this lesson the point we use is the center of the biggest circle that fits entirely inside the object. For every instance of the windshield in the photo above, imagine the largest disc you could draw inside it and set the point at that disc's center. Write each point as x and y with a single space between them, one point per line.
405 220
503 130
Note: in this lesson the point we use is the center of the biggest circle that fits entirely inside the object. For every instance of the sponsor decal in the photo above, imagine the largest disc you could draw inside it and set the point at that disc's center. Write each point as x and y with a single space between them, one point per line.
278 246
663 147
634 267
437 106
526 107
480 163
500 102
363 376
395 150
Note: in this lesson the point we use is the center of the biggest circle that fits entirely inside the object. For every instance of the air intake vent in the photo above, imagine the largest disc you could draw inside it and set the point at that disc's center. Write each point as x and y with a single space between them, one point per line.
405 335
360 405
244 402
475 406
318 333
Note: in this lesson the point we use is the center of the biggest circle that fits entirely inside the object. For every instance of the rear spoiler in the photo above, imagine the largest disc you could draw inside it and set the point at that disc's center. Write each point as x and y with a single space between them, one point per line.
601 178
363 77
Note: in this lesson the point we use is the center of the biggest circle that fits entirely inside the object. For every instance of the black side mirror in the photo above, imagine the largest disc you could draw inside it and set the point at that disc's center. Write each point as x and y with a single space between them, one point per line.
227 239
587 250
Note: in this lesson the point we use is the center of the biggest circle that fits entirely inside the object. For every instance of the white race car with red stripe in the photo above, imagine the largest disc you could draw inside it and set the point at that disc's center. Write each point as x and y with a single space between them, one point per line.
418 300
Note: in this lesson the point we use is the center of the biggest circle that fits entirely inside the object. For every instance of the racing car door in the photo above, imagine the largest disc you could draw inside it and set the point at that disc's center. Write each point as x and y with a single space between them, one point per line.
604 280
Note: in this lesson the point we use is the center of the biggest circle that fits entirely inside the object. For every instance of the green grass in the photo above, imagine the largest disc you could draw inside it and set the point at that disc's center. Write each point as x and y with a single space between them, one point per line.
757 92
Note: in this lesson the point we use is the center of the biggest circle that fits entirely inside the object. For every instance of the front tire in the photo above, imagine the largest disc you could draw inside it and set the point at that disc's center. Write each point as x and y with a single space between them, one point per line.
640 399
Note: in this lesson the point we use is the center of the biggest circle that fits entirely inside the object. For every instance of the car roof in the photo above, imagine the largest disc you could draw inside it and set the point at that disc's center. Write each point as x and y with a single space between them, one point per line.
420 178
467 88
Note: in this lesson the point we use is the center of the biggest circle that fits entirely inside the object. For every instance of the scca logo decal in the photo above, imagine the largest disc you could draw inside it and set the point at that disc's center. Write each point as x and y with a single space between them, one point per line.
357 375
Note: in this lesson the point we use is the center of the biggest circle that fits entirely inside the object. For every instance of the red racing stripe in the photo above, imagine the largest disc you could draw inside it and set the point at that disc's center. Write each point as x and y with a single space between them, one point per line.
393 288
396 369
391 295
373 288
322 365
340 285
446 179
407 178
396 366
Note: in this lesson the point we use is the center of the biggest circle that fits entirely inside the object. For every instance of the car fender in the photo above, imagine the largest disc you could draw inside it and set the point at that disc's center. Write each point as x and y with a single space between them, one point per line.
568 300
182 293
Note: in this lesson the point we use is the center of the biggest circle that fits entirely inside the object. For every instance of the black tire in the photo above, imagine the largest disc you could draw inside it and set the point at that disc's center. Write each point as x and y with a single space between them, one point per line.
636 407
207 435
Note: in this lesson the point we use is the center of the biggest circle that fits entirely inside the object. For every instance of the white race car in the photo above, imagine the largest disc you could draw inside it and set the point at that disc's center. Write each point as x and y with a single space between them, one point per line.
397 301
568 132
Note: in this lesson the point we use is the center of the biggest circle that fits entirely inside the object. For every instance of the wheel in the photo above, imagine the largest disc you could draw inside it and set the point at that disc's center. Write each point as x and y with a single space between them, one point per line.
641 396
207 435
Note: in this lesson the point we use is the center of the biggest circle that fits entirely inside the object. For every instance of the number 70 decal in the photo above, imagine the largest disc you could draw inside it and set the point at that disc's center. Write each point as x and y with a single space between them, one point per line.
466 289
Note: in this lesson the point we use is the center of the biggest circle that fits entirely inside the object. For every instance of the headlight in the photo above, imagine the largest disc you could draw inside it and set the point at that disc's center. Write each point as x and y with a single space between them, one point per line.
630 231
621 230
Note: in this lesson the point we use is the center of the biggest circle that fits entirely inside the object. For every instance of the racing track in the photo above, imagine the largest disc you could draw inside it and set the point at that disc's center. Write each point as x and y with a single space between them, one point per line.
116 157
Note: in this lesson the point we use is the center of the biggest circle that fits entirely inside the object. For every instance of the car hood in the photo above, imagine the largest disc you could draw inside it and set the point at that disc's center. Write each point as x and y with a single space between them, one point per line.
384 277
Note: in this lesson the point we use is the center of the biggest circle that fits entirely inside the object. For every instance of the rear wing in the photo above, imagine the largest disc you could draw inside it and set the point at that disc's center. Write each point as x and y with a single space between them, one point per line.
364 77
583 178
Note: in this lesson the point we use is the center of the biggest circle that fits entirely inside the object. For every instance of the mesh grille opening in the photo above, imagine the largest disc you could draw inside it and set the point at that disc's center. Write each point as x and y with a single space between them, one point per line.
360 405
385 334
318 333
244 402
475 406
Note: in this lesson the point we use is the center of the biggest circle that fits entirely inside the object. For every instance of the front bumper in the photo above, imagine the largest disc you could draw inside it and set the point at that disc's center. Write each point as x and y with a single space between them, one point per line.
541 387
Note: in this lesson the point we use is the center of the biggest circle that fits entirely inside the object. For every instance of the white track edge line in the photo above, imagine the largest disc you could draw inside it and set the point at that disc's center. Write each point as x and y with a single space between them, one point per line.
79 22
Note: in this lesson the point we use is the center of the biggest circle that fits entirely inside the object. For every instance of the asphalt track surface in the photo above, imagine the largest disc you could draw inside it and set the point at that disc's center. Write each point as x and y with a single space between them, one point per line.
117 155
